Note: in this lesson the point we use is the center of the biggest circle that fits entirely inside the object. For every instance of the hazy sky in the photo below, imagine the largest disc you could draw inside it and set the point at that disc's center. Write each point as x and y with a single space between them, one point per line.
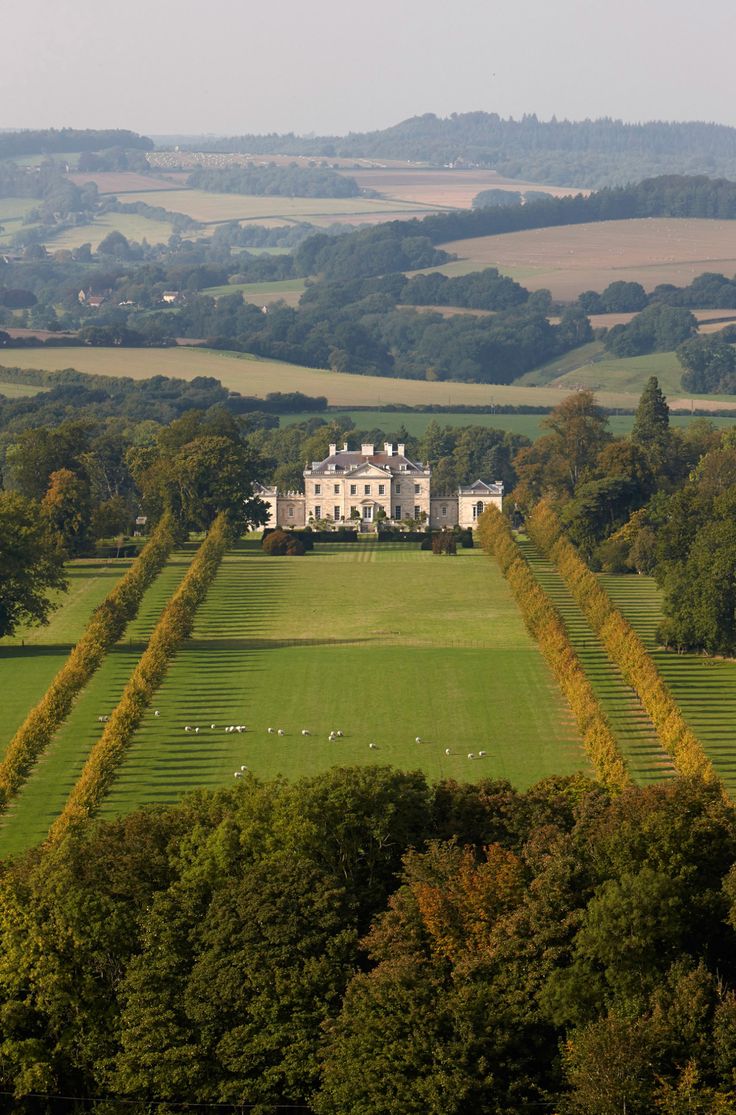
331 66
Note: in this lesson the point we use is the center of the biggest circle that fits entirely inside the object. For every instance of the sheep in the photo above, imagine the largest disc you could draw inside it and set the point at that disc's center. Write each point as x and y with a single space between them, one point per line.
243 768
281 732
237 774
447 751
419 740
196 730
338 734
156 712
213 726
471 754
271 731
482 754
187 728
373 746
306 732
238 727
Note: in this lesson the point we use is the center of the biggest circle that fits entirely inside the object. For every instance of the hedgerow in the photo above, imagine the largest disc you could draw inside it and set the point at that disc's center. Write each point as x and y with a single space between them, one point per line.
174 625
622 644
546 626
106 625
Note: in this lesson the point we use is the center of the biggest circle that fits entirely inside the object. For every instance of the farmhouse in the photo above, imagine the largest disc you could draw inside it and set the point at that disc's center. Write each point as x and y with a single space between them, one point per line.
367 486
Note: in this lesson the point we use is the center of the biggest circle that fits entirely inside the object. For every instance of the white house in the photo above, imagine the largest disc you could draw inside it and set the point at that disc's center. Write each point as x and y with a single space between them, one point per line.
369 485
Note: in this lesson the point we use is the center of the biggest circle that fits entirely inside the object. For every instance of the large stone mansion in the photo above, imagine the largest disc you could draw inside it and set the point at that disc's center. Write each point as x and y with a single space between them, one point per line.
351 486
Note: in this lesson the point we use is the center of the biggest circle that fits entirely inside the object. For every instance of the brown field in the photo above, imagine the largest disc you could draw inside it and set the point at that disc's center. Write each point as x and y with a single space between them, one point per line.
574 258
121 182
709 321
211 208
444 187
162 160
252 376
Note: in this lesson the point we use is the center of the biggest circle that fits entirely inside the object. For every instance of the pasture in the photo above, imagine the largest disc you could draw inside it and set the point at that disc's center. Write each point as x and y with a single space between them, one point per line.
574 258
212 208
704 688
253 376
383 642
43 795
18 390
30 658
122 182
263 294
131 225
442 187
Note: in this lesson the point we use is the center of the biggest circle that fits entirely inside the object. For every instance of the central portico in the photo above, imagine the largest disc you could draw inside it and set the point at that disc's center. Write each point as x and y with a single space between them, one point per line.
367 484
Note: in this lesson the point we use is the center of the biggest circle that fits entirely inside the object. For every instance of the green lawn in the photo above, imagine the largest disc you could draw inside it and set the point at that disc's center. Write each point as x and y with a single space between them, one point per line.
44 794
626 374
704 688
19 390
638 741
385 643
30 659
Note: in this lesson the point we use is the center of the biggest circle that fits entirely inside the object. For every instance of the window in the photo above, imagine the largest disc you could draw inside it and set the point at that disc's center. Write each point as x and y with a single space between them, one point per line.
398 489
368 512
337 489
417 489
318 489
398 512
478 509
444 509
353 489
318 512
382 489
366 489
291 512
417 511
336 514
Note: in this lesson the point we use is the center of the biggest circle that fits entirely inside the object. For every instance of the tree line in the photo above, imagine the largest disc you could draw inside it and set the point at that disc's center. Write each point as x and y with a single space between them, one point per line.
366 941
274 181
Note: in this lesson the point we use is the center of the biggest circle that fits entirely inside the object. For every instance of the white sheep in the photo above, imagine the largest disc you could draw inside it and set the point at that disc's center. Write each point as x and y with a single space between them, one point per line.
243 768
156 712
482 754
338 734
282 732
447 751
471 754
213 726
271 731
373 746
418 739
237 774
196 730
306 732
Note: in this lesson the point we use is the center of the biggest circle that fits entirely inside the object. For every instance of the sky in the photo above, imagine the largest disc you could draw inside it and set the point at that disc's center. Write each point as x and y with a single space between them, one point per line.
233 67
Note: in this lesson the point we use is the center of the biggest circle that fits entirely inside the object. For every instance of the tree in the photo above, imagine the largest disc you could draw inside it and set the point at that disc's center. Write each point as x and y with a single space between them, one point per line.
31 563
652 419
66 506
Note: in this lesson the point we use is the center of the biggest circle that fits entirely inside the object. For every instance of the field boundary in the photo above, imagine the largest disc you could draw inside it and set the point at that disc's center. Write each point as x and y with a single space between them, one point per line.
547 627
174 624
622 645
104 628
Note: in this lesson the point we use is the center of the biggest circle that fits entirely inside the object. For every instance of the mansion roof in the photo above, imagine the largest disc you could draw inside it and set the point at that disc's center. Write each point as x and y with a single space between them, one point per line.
347 461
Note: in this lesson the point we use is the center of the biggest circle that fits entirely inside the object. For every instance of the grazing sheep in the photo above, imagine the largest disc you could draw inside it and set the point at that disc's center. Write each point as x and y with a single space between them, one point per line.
281 732
213 726
237 774
447 751
471 754
243 768
339 735
373 746
156 712
271 731
196 730
187 728
305 732
482 754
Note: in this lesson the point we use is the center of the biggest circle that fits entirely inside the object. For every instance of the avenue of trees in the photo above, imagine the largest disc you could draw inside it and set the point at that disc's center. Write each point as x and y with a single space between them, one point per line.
366 941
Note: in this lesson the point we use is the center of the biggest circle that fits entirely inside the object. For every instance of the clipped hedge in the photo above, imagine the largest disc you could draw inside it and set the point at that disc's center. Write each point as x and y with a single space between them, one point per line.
105 626
546 626
174 625
623 646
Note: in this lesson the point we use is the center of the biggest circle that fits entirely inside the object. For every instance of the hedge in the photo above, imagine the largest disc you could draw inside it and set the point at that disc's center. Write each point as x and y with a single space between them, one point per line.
106 625
546 626
174 625
623 646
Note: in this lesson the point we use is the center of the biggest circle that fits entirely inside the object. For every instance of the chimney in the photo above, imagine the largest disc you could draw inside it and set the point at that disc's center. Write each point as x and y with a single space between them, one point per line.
366 449
344 447
388 448
402 449
333 449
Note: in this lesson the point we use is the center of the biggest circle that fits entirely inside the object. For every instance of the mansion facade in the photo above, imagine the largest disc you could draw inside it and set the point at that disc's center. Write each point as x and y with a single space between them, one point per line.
366 486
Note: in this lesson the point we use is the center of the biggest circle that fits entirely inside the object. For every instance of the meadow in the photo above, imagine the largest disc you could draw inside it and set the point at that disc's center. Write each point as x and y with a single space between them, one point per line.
131 225
442 186
704 688
12 212
352 638
575 258
253 376
263 294
31 657
43 796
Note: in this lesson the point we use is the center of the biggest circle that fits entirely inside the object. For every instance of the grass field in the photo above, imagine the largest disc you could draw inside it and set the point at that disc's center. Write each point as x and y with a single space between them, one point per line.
211 207
630 374
704 688
352 638
530 425
122 182
442 187
18 390
30 659
43 796
264 294
637 738
252 376
131 225
12 212
587 257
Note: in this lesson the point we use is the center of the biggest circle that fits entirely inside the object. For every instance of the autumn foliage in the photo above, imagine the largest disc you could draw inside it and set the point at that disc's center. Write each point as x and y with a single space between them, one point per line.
622 644
173 626
105 627
547 627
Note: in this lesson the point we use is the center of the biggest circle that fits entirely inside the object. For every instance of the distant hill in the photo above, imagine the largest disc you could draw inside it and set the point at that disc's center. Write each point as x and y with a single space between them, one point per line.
591 153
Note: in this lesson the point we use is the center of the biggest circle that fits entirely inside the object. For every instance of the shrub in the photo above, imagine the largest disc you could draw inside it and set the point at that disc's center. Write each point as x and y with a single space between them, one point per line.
280 544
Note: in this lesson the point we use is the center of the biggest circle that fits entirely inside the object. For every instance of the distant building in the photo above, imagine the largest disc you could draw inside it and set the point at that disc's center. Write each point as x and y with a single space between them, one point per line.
171 296
366 486
93 301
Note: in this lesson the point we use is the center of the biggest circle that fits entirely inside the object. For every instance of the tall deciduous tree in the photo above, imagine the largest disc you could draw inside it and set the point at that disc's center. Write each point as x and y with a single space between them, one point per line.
31 563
